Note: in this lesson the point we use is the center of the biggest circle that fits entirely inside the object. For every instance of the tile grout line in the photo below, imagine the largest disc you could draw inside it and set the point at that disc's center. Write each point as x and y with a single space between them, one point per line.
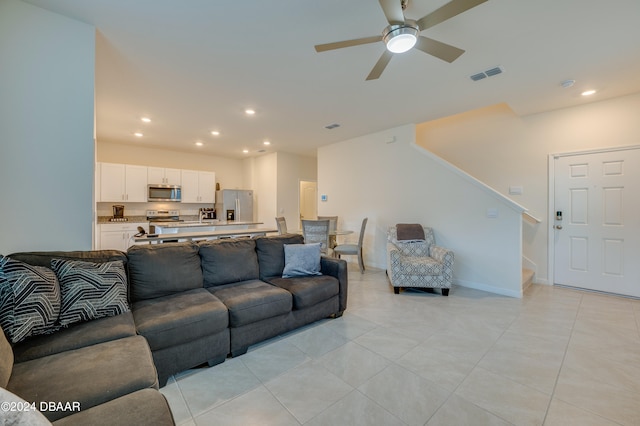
564 357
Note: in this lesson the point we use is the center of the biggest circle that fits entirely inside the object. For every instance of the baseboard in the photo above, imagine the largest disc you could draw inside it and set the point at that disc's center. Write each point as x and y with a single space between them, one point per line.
490 289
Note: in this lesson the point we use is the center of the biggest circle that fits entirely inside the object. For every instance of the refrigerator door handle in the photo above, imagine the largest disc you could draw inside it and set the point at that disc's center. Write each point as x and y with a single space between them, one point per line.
237 209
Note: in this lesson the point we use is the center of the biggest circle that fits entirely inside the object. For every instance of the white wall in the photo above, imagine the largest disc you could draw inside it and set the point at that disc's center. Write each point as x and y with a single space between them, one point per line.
229 171
292 169
274 179
46 130
385 177
502 149
265 187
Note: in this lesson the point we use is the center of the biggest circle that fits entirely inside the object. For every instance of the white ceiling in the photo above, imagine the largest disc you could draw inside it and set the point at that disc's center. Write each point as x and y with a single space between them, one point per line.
193 66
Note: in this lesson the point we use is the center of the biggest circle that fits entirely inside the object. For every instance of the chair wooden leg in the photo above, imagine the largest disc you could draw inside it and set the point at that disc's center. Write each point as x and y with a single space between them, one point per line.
396 290
361 263
445 291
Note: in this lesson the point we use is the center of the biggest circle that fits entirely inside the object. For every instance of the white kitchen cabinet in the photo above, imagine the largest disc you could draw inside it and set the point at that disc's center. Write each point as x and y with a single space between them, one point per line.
123 182
159 175
119 236
198 187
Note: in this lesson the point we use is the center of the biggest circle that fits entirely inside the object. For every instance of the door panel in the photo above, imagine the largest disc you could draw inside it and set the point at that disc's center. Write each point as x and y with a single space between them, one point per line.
308 201
597 241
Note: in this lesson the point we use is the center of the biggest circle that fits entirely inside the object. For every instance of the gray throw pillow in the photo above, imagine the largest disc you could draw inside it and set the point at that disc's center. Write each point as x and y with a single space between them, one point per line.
90 290
301 260
29 299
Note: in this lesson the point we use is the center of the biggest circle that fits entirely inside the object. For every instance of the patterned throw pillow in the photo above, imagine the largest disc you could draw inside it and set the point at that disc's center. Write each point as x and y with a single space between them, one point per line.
29 299
90 290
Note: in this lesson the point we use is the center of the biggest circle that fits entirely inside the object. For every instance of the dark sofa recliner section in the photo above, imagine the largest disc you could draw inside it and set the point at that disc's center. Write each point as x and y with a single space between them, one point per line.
183 323
103 365
191 303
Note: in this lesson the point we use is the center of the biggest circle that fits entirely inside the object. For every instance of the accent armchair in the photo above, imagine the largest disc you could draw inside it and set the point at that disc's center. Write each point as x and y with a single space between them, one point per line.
418 263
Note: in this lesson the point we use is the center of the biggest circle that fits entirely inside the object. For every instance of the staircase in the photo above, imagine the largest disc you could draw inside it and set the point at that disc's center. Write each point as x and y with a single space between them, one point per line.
527 278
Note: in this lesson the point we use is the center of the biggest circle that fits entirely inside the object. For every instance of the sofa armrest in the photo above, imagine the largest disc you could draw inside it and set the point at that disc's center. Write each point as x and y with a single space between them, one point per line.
337 268
442 255
393 258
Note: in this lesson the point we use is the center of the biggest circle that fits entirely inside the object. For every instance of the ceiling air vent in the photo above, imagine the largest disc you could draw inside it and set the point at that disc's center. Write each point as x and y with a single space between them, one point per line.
488 73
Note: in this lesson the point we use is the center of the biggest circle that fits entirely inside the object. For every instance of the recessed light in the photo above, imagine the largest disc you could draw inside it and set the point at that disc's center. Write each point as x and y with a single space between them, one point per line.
138 134
588 92
266 143
199 143
215 133
146 119
250 111
246 151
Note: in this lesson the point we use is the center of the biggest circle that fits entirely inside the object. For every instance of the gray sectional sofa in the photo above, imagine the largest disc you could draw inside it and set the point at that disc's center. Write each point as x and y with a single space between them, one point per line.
190 304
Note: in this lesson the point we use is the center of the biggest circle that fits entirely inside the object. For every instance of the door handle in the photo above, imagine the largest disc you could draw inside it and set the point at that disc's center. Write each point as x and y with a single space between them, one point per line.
558 227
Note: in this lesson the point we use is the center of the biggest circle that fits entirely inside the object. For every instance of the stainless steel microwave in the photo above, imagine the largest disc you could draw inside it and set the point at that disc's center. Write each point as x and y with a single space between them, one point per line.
164 193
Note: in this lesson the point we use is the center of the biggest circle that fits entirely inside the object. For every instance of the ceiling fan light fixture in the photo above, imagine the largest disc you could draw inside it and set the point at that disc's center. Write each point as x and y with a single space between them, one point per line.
401 38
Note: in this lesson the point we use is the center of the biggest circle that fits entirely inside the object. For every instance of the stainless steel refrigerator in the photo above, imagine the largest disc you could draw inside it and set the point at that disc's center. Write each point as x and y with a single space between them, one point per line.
235 204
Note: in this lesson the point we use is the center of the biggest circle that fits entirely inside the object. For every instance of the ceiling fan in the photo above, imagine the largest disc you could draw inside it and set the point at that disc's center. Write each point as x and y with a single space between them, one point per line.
401 34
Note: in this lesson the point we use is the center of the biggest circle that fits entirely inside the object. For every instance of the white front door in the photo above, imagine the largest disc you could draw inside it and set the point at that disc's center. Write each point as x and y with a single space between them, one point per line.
597 221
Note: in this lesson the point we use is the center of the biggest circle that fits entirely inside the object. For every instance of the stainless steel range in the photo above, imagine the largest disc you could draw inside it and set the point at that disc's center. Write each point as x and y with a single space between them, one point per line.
162 216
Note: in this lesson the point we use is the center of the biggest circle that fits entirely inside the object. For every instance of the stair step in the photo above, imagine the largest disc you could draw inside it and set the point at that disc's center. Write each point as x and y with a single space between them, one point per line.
527 278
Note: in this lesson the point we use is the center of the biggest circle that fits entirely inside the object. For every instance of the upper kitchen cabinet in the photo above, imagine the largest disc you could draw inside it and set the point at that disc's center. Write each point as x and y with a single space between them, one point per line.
159 175
198 187
123 182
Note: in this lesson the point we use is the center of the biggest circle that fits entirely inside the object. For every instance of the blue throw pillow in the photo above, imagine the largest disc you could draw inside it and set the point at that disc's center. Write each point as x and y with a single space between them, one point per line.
301 260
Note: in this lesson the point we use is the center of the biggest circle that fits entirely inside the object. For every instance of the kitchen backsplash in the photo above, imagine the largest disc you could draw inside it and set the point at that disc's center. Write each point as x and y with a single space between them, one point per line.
140 209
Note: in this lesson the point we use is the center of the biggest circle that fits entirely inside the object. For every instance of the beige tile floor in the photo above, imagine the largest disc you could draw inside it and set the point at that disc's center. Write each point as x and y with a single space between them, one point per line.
555 357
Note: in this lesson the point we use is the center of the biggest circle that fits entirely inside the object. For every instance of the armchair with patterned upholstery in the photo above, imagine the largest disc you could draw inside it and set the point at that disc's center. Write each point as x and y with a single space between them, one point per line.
418 263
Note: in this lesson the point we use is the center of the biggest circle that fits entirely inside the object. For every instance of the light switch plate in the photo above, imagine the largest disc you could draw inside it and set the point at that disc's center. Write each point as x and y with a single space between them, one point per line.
515 190
492 213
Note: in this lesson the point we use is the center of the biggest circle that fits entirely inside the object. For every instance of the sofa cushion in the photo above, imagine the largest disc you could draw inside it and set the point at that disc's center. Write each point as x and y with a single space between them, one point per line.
140 408
228 261
301 260
310 290
29 299
270 252
157 270
76 336
90 290
6 360
24 417
172 320
252 301
90 376
420 266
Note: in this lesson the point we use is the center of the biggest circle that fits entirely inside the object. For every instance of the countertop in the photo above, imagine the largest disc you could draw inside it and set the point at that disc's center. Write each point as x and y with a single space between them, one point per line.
195 223
205 235
188 221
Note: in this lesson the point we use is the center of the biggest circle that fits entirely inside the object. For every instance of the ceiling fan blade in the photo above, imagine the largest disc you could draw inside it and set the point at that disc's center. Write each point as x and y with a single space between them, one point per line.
347 43
380 65
449 10
438 49
393 11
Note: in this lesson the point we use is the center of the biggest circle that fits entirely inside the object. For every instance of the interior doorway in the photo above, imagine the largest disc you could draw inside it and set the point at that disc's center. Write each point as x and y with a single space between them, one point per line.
308 201
596 220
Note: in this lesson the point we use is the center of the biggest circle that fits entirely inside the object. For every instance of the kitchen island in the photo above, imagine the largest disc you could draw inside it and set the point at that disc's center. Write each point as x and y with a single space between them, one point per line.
175 227
201 230
222 232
